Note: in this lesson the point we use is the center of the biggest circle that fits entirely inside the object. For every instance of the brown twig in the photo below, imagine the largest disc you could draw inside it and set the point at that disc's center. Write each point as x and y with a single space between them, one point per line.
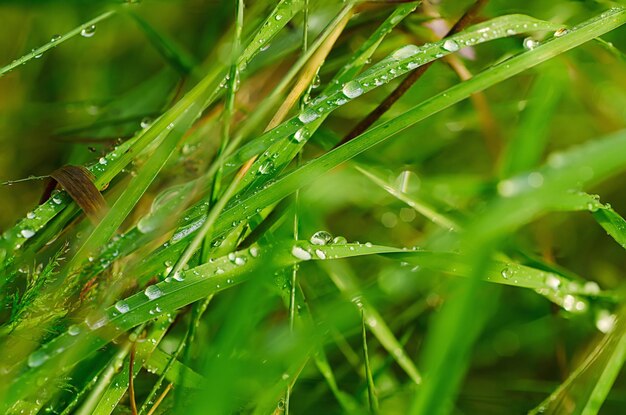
160 399
131 381
404 86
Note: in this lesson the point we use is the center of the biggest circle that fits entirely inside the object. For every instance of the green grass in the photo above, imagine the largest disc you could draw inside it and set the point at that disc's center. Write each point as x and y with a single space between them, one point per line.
490 282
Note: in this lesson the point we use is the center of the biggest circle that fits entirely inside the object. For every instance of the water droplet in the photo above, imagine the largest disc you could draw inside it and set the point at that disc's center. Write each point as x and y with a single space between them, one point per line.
605 321
308 115
146 122
95 321
102 160
591 288
301 135
88 31
569 302
404 52
178 276
321 238
55 38
530 43
266 167
37 55
254 251
507 273
320 254
535 179
27 233
37 358
450 45
122 307
340 240
553 282
352 89
300 253
153 292
561 32
57 200
278 17
31 215
73 330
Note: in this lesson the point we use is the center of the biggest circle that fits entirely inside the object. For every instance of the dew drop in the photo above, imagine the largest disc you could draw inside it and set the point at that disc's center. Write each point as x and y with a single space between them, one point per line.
31 215
102 160
405 52
530 43
88 31
122 307
591 288
569 302
37 358
506 273
352 89
321 238
605 321
266 167
450 45
308 115
561 32
73 330
55 38
300 253
320 254
153 292
146 122
340 240
301 135
254 252
553 282
27 233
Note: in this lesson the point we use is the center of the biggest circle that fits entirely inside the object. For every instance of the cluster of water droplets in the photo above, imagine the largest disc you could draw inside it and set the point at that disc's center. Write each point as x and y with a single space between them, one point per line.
318 239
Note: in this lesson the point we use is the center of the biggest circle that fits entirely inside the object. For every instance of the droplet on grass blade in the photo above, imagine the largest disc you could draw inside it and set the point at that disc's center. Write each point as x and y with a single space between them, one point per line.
450 45
300 253
153 292
321 238
405 52
122 307
352 89
37 358
27 233
88 31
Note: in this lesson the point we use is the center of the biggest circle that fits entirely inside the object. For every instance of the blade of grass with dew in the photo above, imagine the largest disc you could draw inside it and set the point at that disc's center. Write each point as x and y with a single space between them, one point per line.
56 40
114 162
224 273
400 62
397 64
358 61
590 163
300 177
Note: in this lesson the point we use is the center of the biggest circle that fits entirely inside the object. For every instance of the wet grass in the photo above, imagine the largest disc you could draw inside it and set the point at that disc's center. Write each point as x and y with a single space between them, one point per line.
223 273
